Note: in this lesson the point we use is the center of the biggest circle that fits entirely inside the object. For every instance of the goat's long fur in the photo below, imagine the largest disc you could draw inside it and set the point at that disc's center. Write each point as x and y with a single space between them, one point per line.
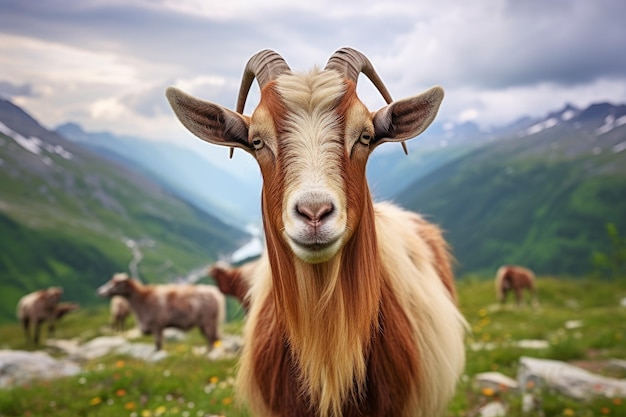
343 343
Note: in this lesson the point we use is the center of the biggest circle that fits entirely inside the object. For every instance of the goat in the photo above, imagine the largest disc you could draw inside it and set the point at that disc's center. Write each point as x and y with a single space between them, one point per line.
352 310
234 281
159 306
517 279
120 310
60 311
37 307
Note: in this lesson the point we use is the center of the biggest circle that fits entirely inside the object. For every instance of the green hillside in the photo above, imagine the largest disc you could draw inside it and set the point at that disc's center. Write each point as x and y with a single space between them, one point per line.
541 201
69 218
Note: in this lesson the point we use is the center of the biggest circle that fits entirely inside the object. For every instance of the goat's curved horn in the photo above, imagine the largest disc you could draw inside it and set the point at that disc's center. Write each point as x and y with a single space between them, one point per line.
351 63
265 65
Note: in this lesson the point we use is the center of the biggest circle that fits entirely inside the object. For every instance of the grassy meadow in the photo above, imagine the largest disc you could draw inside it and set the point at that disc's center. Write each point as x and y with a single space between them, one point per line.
188 385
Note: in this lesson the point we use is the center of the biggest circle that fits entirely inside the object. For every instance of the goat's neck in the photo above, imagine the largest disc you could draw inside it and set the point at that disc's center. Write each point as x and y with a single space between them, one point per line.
138 293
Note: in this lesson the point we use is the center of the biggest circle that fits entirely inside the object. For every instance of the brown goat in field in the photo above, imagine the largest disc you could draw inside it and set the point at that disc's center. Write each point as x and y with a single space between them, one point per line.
159 306
234 281
352 309
120 310
37 307
517 279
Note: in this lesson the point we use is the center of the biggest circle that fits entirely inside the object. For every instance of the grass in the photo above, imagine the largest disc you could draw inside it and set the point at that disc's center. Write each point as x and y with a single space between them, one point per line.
185 384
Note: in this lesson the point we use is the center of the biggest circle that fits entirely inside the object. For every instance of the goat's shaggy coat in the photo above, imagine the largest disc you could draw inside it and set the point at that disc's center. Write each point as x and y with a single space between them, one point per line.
517 279
38 307
159 306
352 307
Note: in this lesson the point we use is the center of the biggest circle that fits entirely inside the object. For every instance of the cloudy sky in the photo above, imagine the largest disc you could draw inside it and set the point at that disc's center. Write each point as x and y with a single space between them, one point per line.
106 63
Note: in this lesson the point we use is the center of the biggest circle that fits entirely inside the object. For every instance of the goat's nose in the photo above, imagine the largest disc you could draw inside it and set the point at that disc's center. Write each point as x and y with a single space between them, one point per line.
314 212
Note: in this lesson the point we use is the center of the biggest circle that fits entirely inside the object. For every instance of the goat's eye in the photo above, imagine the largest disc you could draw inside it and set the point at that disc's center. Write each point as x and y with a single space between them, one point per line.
257 143
365 138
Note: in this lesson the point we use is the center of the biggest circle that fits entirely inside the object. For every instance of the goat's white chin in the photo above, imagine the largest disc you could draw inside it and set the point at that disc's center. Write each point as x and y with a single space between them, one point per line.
315 254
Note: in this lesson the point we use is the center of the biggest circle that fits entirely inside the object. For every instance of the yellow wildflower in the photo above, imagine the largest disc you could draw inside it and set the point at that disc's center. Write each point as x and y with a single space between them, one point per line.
95 401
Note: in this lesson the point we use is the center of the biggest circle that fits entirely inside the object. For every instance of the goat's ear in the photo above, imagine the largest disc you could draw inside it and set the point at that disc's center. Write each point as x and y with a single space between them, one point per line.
209 121
404 119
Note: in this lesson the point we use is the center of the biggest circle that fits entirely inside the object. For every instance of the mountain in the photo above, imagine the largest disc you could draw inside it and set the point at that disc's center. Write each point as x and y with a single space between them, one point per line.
539 192
179 169
72 217
389 170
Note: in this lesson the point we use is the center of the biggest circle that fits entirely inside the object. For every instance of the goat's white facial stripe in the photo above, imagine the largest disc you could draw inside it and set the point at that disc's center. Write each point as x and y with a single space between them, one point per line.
312 151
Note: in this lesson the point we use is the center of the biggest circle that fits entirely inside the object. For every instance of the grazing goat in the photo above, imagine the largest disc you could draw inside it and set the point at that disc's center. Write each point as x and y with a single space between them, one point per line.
159 306
120 310
37 307
234 281
517 279
60 311
353 309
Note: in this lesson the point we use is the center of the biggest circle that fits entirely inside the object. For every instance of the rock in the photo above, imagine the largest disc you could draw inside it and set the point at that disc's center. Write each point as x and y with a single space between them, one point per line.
145 351
19 367
532 344
493 409
570 380
98 347
228 347
573 324
618 364
495 381
173 334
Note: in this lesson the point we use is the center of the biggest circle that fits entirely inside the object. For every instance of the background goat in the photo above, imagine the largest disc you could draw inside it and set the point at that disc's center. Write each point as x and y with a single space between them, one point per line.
159 306
37 307
234 281
353 311
60 311
517 279
119 309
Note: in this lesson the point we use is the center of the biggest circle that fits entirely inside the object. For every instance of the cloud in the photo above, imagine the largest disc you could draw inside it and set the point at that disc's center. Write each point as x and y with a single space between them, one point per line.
10 90
497 60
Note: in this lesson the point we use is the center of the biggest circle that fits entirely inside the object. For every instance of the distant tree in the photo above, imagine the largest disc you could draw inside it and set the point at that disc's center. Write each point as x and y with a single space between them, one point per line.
612 262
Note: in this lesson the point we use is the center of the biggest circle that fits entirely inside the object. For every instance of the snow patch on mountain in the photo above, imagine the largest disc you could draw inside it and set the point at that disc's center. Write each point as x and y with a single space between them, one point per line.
35 145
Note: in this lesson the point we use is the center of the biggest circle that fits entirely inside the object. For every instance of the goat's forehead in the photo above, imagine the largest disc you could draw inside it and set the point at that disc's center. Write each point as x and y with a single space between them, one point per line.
305 107
313 91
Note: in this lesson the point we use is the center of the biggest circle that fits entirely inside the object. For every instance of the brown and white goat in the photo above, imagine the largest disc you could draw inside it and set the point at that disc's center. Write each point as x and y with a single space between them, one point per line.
513 278
235 281
354 311
119 309
37 307
159 306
